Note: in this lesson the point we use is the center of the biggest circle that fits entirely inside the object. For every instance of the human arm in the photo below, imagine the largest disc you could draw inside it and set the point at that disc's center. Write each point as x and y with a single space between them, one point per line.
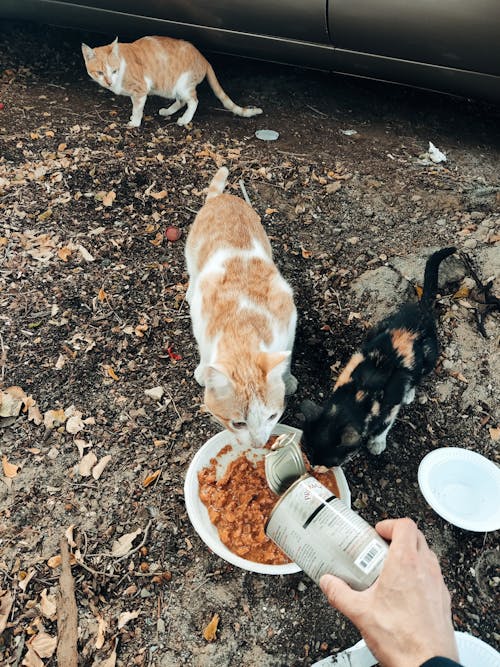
405 616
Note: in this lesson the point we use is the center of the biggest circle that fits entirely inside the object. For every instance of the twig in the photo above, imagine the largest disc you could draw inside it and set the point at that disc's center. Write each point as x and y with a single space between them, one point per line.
244 192
321 113
3 358
67 614
173 402
19 651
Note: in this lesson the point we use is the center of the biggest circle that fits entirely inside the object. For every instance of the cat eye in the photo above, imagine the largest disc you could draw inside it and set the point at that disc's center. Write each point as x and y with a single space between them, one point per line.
99 73
273 416
114 71
238 425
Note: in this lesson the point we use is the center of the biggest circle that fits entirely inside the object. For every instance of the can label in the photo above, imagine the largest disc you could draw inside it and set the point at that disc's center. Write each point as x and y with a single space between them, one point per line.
322 535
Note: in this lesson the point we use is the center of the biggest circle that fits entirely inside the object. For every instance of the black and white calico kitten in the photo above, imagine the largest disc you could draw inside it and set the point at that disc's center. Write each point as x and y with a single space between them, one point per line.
367 396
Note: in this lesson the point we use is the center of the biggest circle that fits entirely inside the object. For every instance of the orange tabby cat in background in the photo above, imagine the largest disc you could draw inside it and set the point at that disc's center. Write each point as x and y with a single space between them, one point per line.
243 316
161 66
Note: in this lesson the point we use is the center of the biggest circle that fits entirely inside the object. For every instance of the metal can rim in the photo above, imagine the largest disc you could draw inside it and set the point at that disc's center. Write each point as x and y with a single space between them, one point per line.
284 495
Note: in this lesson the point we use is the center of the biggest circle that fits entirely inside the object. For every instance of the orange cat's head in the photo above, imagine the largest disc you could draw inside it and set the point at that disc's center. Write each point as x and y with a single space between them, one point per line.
248 398
103 63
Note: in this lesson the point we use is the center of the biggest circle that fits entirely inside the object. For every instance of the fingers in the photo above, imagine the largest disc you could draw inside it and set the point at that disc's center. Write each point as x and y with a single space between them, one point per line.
403 534
341 596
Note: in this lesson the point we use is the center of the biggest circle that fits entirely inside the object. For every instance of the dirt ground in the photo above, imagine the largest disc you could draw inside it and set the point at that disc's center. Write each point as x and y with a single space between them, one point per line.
92 314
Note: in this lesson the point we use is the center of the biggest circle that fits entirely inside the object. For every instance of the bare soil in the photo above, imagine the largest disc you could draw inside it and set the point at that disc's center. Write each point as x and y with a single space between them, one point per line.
94 331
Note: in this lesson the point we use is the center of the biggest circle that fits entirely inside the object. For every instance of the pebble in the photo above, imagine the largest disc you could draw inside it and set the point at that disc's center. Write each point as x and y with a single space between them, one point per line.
470 243
301 586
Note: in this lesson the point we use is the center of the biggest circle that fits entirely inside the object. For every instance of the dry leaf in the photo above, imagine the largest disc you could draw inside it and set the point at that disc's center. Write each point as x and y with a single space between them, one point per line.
419 290
494 433
151 478
34 414
43 644
45 215
270 211
462 292
101 295
158 195
331 188
75 423
9 469
97 470
64 253
85 253
31 659
123 544
23 584
101 632
156 393
306 254
86 464
55 561
111 373
210 632
6 601
48 605
53 418
109 198
111 661
125 617
11 401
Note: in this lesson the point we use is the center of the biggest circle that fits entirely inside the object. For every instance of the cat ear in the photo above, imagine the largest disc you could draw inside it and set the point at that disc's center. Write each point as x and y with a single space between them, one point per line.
88 53
217 380
310 410
273 362
350 437
114 44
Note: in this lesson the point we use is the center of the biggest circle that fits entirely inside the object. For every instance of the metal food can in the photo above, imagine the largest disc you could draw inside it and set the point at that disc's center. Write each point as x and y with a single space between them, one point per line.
284 464
323 536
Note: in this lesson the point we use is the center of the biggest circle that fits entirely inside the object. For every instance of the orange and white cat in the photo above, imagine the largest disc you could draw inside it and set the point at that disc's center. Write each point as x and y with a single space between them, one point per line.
243 316
163 66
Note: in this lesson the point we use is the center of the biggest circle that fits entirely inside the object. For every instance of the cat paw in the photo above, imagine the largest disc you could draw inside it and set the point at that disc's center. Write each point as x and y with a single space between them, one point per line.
409 396
377 445
199 375
134 123
184 123
291 384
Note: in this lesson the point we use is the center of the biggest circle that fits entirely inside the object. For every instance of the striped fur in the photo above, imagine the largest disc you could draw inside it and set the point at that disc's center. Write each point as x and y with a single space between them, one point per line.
170 68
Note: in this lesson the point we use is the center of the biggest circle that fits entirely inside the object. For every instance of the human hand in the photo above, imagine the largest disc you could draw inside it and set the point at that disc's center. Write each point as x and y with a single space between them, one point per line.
405 616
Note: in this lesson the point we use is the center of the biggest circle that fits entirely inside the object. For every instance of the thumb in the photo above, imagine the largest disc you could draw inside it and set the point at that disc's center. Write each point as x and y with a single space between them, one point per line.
340 595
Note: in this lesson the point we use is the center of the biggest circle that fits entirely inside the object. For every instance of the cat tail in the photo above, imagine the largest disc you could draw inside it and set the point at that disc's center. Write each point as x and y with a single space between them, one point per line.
226 100
218 183
431 275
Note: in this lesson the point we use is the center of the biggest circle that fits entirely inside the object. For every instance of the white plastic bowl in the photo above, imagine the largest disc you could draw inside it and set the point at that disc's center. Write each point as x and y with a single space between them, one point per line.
463 487
198 513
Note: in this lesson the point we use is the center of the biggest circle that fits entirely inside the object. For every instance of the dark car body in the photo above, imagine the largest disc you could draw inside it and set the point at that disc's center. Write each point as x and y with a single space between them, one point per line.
446 45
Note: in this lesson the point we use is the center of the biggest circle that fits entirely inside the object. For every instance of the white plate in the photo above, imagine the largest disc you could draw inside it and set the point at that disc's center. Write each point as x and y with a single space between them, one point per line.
472 652
198 513
463 487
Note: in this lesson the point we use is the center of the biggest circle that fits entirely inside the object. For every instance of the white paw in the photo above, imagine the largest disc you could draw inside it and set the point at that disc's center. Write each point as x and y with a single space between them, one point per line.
134 123
377 445
409 396
199 375
291 384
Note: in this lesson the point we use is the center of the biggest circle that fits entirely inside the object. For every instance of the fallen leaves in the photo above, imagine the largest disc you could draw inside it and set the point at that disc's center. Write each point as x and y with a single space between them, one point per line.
86 464
173 355
6 601
98 469
9 469
125 617
151 478
156 393
494 433
39 646
123 544
11 401
210 631
109 198
48 606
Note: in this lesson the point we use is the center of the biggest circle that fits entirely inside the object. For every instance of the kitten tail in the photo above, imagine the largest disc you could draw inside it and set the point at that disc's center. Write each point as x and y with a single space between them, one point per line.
431 275
226 100
218 183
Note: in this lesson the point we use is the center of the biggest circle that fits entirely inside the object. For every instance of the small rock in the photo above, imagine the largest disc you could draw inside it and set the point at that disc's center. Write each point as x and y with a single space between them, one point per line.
301 587
155 393
470 243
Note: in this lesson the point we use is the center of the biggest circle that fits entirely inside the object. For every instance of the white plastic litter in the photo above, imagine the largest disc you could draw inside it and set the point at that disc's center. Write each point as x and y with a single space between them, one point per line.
348 133
435 154
267 135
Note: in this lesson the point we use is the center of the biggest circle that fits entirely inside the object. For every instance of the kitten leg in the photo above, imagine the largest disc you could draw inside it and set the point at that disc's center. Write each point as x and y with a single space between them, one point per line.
409 396
199 374
192 104
377 444
178 104
291 383
138 102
